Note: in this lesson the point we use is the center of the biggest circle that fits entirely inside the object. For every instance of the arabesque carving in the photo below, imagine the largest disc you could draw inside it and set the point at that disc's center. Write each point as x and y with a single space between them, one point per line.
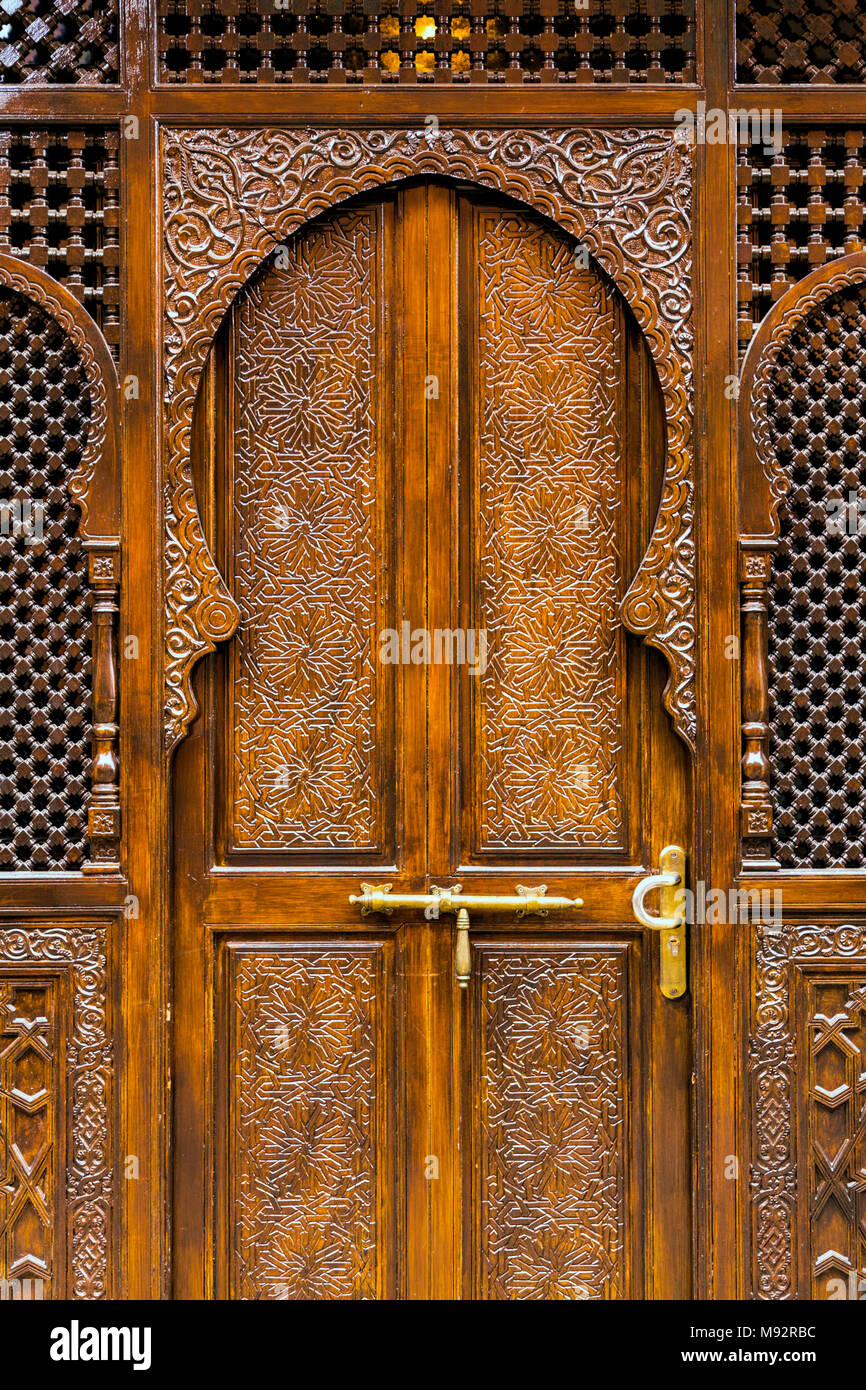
232 195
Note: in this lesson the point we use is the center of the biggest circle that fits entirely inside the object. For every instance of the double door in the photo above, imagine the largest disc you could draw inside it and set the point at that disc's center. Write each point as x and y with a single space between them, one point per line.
429 449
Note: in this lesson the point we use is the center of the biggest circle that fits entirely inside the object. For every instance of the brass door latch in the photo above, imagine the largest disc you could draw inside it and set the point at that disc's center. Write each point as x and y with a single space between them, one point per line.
672 922
526 902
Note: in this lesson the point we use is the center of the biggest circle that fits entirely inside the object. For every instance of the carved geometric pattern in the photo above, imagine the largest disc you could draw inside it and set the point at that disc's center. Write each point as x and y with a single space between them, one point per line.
803 41
70 41
304 1082
30 1074
815 410
59 211
549 575
460 41
796 210
551 1091
73 1082
306 557
795 1084
45 628
232 195
835 1012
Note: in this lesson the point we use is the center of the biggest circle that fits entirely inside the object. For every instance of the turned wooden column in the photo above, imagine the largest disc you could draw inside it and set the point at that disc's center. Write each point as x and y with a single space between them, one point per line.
103 816
756 811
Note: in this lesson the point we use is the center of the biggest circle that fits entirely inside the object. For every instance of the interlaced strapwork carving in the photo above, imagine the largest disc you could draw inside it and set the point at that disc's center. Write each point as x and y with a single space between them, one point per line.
836 1119
808 1102
465 41
68 41
817 610
796 210
29 1157
59 211
811 41
56 1108
44 619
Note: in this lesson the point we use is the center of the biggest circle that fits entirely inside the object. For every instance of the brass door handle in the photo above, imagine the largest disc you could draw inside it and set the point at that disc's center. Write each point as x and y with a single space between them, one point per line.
670 880
525 902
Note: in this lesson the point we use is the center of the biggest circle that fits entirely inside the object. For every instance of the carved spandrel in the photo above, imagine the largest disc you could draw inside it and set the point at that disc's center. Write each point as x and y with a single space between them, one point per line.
245 190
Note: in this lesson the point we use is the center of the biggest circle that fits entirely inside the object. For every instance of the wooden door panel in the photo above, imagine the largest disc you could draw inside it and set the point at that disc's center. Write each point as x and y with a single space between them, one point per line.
311 739
308 1097
553 1077
543 425
808 1140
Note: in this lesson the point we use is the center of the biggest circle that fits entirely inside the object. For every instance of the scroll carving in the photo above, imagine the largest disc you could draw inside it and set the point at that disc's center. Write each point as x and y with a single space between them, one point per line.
778 1104
81 952
232 195
95 489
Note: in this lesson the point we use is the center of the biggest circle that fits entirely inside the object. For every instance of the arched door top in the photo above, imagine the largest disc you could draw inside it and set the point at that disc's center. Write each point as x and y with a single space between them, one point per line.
232 195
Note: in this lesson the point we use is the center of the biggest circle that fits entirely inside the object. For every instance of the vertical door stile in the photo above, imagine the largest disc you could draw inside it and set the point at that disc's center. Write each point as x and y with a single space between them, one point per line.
421 1156
442 615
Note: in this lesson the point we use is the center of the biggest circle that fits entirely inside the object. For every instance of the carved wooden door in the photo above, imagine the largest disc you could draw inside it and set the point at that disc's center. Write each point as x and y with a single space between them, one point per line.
428 452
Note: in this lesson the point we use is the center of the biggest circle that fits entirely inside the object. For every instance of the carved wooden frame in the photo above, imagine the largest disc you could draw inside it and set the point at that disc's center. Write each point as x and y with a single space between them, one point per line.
762 486
81 950
773 1093
95 489
231 195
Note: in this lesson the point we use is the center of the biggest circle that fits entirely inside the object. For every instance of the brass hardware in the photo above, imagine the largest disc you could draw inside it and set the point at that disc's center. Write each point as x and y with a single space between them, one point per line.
526 902
672 921
462 957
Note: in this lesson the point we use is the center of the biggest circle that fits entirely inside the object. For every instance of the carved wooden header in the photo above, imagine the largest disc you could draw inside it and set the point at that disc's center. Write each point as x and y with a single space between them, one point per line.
231 196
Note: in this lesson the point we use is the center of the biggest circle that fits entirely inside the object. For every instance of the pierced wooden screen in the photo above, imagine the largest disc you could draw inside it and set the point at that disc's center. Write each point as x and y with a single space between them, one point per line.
64 41
59 211
810 41
650 41
817 608
45 634
796 210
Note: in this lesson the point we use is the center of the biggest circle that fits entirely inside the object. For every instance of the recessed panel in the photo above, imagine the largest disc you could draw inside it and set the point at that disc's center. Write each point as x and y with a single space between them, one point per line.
307 1107
546 481
310 546
549 1102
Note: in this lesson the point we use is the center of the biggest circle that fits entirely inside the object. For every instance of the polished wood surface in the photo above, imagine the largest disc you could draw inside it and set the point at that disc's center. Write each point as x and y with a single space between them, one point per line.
141 985
529 472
